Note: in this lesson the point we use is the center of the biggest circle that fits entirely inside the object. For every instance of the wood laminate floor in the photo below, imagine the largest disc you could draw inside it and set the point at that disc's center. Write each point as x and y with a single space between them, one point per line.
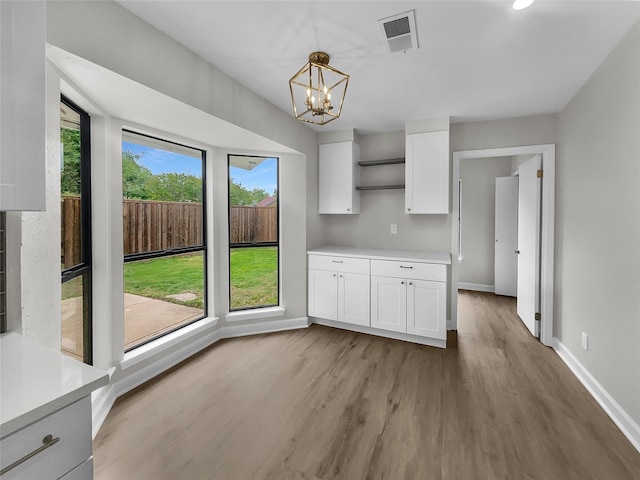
322 403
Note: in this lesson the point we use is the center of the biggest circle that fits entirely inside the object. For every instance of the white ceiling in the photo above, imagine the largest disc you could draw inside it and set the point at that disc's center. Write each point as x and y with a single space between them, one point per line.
477 59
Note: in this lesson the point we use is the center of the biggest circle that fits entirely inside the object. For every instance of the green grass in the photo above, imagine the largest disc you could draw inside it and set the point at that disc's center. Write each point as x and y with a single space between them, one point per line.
159 277
254 277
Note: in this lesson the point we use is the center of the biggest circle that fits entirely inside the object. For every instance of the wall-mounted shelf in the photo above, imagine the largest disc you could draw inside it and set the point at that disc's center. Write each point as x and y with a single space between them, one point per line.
380 187
375 163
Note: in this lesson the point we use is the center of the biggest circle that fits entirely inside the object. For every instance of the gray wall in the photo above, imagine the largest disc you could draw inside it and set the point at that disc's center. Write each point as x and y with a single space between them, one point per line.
478 217
108 35
380 208
598 224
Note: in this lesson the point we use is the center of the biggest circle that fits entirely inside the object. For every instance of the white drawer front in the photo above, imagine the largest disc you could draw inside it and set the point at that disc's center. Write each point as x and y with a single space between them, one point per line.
412 270
71 424
339 264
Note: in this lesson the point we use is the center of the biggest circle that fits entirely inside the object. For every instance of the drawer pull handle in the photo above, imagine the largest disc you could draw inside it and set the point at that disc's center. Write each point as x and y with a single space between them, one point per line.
402 266
337 261
47 442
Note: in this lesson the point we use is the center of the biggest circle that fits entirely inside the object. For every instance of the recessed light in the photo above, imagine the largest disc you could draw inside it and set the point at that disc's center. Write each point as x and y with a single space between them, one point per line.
520 4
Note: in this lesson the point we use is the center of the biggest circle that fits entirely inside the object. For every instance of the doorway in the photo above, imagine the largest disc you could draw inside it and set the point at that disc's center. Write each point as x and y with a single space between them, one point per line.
547 206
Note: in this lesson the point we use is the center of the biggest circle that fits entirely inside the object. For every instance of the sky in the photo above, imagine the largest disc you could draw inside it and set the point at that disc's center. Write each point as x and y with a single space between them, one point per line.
264 176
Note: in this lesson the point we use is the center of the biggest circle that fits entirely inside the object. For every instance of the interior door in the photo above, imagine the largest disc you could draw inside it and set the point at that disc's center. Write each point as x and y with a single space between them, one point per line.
506 225
529 187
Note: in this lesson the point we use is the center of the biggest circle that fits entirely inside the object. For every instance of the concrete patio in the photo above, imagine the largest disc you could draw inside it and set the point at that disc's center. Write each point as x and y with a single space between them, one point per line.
145 318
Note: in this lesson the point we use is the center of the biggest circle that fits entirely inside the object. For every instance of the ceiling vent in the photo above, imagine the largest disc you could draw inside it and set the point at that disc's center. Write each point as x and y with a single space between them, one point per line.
399 31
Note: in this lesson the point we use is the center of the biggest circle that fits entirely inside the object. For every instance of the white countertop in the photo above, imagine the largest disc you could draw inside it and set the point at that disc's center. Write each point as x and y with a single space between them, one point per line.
382 254
36 381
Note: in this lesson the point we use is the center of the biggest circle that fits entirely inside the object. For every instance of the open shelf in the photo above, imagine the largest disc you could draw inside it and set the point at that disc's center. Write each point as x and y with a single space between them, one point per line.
380 187
375 163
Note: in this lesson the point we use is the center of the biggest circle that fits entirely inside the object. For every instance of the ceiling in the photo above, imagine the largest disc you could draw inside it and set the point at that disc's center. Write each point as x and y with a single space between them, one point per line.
477 60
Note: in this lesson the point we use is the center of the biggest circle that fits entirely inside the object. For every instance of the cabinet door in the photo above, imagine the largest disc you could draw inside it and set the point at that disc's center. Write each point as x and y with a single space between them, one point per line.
323 294
427 173
337 164
354 298
22 95
389 303
426 309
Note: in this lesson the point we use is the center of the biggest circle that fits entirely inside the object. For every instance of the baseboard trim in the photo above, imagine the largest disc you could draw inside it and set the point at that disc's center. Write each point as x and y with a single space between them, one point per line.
431 342
476 287
103 399
620 417
231 331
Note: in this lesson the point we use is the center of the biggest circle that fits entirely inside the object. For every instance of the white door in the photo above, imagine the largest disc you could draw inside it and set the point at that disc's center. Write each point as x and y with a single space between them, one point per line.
323 294
426 305
506 259
389 303
529 243
353 298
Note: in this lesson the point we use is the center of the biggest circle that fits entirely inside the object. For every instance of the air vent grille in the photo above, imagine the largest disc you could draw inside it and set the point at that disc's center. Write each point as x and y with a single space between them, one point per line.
399 32
398 27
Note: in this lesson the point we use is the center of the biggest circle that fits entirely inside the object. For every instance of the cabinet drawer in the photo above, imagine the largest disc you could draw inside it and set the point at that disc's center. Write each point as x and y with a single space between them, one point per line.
339 264
413 270
71 424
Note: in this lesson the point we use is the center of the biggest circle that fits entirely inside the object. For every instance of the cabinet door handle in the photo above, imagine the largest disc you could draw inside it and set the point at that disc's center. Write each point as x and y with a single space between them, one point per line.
47 442
334 274
340 276
410 283
337 261
402 266
402 283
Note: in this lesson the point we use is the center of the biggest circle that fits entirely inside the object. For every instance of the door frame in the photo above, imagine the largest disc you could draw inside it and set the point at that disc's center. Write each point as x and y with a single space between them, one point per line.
548 152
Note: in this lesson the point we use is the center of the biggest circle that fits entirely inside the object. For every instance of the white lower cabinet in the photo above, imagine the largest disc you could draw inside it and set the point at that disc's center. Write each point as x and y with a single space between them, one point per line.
409 297
339 289
380 293
52 447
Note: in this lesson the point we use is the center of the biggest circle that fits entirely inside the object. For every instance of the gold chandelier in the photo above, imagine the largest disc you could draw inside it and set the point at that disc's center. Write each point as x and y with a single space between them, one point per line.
316 89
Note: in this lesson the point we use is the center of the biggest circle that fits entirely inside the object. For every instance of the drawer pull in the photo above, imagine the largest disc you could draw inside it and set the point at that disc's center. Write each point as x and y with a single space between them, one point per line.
402 266
47 442
337 261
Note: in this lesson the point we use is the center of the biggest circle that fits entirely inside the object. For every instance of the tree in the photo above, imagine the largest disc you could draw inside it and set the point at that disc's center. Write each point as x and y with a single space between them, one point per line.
70 168
239 195
135 177
175 187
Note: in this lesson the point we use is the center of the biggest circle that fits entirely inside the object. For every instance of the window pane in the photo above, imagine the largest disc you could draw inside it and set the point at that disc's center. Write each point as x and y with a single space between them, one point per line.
164 239
253 232
254 277
162 294
75 223
70 187
73 318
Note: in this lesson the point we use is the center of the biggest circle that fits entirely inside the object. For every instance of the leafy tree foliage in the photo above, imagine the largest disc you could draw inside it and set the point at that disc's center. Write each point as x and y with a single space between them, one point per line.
140 183
239 195
70 172
135 177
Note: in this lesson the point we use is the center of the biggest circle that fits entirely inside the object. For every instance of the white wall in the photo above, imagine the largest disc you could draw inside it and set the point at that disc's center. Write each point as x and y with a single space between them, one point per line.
478 177
598 224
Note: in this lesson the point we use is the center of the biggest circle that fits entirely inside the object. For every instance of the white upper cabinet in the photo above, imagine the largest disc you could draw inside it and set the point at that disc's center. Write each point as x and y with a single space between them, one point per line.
22 100
338 175
427 172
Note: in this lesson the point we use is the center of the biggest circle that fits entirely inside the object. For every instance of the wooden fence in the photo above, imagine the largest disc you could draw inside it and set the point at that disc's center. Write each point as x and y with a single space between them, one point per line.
253 224
151 225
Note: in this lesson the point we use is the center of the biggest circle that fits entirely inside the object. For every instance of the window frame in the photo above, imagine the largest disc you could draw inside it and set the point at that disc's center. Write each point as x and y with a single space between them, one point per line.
276 244
133 257
85 267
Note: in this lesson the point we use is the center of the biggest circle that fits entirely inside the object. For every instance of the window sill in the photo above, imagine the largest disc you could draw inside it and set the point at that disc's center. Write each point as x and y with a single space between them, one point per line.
154 347
255 313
